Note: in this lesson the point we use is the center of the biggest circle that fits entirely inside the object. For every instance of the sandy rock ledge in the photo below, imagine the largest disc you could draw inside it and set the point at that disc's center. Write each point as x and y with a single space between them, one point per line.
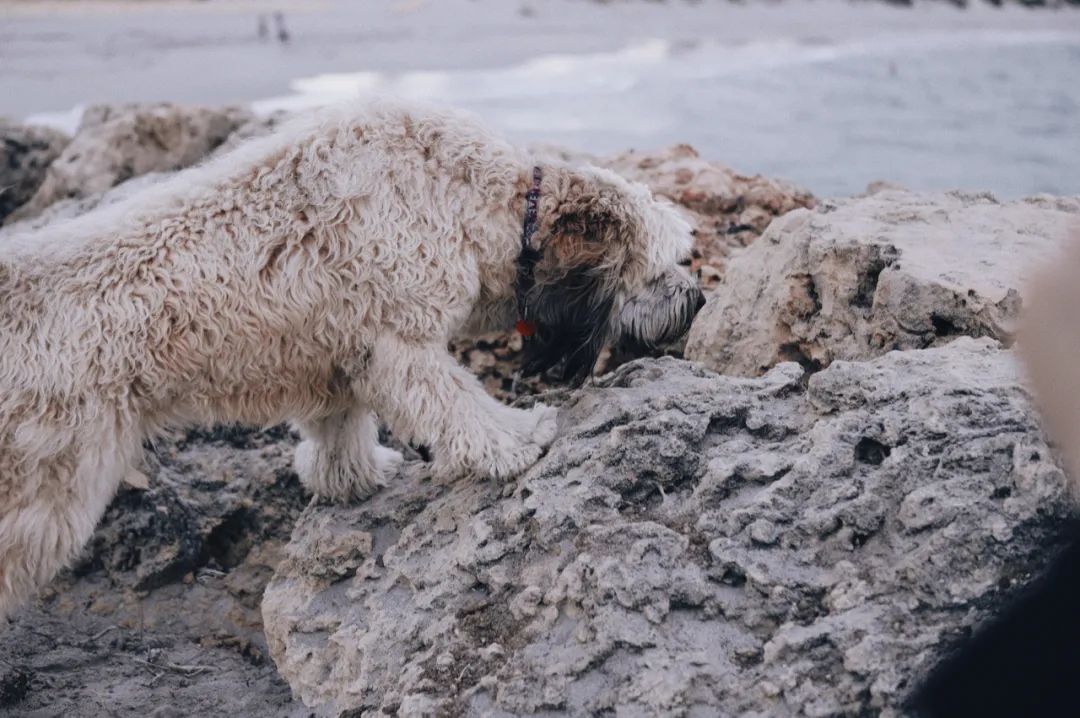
728 210
25 155
855 278
117 142
692 544
173 576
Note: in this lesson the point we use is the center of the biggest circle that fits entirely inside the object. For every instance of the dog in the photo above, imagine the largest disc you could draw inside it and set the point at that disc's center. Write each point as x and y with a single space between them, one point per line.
315 275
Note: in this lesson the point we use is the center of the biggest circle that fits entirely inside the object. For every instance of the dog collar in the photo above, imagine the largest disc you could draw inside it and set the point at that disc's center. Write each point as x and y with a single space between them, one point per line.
529 256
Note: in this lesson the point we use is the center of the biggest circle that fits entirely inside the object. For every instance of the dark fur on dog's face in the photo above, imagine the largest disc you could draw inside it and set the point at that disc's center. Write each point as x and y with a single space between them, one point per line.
607 268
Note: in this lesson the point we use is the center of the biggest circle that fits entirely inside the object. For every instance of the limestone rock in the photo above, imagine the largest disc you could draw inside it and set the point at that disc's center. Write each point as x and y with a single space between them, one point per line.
250 129
116 143
173 576
76 206
692 544
214 495
25 154
856 278
729 210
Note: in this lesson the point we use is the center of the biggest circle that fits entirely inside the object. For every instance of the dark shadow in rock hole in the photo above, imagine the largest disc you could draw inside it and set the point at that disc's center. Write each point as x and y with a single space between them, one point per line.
868 281
871 451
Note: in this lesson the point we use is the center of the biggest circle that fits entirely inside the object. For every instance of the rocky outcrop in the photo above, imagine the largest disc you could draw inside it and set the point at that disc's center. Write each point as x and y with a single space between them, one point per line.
856 278
809 541
728 210
163 608
250 129
25 155
117 142
692 544
75 206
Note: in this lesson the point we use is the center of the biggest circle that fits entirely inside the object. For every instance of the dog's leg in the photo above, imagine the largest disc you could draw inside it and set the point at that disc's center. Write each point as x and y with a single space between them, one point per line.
340 457
424 395
49 507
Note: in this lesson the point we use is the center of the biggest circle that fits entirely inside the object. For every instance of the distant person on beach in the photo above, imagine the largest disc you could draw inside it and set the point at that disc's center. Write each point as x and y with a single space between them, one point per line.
279 22
282 33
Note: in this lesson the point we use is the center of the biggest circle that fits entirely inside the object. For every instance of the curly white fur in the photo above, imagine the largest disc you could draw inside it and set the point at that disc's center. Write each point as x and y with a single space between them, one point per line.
314 275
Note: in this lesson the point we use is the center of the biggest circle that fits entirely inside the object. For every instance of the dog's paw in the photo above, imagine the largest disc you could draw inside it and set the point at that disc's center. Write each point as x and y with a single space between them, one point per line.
502 465
387 463
332 476
513 463
506 460
500 453
546 425
501 462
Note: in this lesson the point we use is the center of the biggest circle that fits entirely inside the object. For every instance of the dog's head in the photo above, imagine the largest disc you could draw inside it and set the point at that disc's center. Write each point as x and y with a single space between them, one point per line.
608 268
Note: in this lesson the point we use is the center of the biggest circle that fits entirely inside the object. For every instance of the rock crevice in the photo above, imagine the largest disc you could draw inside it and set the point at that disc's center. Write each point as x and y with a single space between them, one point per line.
854 279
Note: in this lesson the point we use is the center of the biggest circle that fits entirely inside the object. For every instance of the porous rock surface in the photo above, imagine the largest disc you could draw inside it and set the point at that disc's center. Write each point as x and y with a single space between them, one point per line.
728 210
692 544
25 154
161 614
117 142
855 278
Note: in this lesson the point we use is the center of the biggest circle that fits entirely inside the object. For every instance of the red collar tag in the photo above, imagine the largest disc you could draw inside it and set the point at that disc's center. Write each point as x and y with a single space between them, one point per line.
525 328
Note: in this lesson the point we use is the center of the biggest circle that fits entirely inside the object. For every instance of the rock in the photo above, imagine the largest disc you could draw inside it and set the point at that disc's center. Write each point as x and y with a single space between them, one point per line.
69 208
215 495
15 683
116 143
252 128
692 544
25 154
729 209
879 186
854 279
173 576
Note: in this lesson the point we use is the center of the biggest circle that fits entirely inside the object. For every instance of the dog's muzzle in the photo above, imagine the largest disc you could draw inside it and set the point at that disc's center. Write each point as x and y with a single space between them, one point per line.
662 312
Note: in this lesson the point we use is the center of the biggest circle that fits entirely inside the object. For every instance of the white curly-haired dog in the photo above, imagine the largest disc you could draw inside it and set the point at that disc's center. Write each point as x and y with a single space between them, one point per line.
314 275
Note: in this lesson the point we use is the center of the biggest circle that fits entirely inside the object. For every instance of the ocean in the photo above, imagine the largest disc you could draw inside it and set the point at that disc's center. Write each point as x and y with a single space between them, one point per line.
829 94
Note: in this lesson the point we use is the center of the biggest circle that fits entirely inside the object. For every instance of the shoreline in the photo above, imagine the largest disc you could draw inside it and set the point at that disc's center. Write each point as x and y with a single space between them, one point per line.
120 52
832 95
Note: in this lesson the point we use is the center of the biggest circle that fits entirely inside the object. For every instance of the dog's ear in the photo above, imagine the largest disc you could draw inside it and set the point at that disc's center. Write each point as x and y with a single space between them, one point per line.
579 256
